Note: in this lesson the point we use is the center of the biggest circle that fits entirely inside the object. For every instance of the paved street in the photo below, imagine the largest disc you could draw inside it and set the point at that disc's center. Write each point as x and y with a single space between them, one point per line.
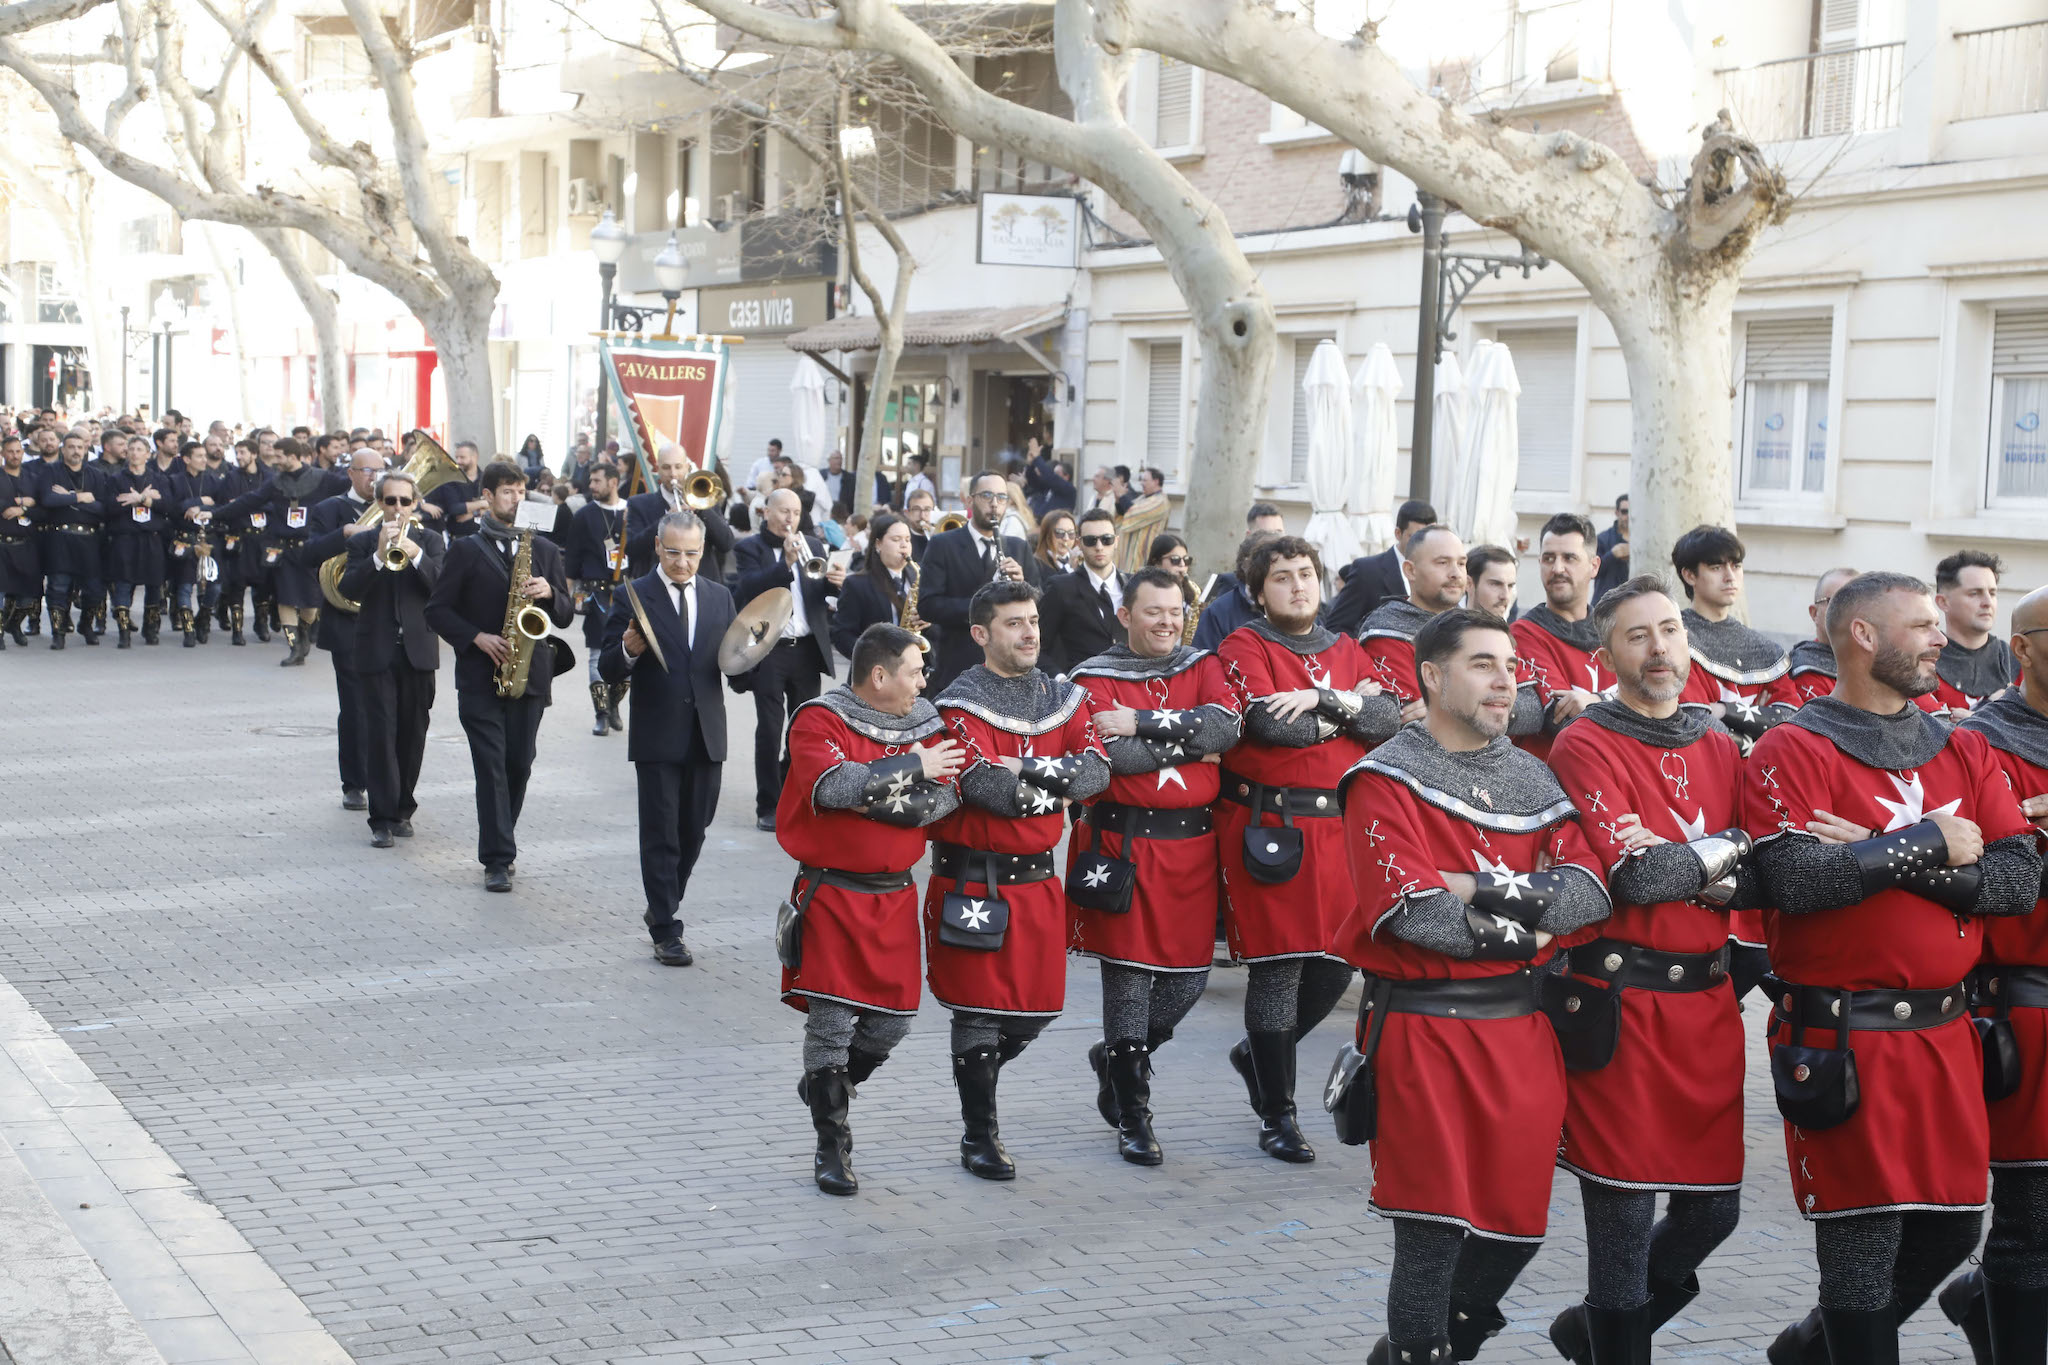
468 1127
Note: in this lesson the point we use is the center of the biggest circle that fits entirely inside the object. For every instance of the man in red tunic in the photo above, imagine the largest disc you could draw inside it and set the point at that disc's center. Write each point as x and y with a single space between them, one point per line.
2003 1308
995 915
1165 713
1311 709
1975 665
1555 638
869 768
1811 663
1655 1047
1434 564
1883 838
1469 861
1741 674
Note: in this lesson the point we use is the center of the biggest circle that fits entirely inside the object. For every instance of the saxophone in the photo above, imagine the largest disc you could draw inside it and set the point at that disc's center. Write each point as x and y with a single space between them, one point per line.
525 625
907 618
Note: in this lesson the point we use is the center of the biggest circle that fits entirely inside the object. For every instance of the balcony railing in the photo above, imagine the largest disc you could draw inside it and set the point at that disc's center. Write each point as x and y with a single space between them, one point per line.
1826 94
2004 70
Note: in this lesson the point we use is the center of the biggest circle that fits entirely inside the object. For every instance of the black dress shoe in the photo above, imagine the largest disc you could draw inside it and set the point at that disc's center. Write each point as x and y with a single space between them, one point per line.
380 837
403 829
352 798
673 953
766 824
497 877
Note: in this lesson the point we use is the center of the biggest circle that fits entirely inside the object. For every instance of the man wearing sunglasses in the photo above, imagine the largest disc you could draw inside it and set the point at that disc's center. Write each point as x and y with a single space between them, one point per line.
396 651
958 563
1077 615
327 532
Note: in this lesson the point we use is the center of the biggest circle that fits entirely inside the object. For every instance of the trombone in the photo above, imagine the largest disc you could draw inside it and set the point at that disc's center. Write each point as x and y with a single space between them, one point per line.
705 489
952 521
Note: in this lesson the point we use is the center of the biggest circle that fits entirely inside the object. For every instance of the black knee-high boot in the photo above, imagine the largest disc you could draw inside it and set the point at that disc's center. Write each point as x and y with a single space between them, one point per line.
1272 1055
60 618
17 612
981 1143
1862 1337
152 623
600 695
1130 1078
829 1090
126 626
611 710
235 615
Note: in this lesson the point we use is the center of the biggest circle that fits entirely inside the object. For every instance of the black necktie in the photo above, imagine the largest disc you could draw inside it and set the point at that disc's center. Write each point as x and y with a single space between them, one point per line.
988 558
1108 607
683 611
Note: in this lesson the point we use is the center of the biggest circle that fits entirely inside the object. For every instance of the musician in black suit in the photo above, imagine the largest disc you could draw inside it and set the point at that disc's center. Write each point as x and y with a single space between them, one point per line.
396 652
959 562
677 744
467 609
327 532
921 511
1077 613
596 561
644 512
774 557
873 595
1372 579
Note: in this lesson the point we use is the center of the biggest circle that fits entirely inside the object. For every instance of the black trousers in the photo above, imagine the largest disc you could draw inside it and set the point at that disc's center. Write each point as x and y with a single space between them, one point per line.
501 743
349 742
783 681
397 702
677 801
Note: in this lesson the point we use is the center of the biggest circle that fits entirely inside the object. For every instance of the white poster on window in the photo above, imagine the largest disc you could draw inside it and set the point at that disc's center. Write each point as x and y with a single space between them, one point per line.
1030 229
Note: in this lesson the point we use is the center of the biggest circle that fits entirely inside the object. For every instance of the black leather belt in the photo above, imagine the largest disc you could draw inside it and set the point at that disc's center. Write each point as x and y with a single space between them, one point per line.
1011 869
75 530
1649 969
866 883
1876 1011
1143 822
1511 995
2020 988
1296 801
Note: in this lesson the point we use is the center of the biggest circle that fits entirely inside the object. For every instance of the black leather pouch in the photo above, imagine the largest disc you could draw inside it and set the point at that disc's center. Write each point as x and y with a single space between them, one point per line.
1272 854
1816 1087
1099 882
1587 1017
1351 1095
978 923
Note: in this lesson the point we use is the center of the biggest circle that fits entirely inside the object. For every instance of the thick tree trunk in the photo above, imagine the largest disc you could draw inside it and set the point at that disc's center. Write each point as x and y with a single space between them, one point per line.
1237 341
320 309
884 378
461 338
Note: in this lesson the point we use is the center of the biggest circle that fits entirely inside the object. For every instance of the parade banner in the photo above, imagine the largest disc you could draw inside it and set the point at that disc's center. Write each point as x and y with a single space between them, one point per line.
669 391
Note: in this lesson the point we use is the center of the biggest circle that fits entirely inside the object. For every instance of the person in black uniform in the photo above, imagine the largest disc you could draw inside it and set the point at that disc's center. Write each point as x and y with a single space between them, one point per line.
874 594
959 562
21 569
644 512
396 653
467 609
774 557
69 495
1077 612
141 508
677 744
328 529
455 508
279 509
244 569
192 542
921 510
597 561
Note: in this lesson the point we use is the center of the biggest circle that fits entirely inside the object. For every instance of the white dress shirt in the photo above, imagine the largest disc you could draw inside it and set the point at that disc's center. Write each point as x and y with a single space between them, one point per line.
1109 585
680 595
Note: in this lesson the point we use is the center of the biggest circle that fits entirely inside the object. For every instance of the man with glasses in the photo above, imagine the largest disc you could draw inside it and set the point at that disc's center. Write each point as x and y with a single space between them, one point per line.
327 535
959 562
1077 614
396 652
920 509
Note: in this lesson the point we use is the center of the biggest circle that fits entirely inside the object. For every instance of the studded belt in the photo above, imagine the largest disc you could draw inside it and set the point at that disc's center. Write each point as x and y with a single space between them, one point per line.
75 530
1877 1011
1296 801
865 883
1648 969
2020 988
1011 869
1510 995
1143 822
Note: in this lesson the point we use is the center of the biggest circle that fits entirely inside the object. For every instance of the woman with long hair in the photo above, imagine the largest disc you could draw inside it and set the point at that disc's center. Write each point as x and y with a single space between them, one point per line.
1057 539
876 592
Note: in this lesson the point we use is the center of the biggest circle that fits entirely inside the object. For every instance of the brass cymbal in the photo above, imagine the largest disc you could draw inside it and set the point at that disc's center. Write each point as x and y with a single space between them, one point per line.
754 631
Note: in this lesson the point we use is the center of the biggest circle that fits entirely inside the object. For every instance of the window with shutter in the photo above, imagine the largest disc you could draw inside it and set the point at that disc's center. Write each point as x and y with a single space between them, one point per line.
2019 402
1785 408
1176 106
1547 364
1163 408
1297 450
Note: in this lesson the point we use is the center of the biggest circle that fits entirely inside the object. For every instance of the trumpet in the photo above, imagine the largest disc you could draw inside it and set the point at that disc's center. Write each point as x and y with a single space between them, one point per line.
705 489
394 555
952 521
810 566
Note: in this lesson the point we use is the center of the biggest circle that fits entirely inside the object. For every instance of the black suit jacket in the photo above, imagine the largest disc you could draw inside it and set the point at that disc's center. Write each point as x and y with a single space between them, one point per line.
861 604
394 603
644 512
688 697
1071 624
952 571
469 600
327 529
1372 580
761 567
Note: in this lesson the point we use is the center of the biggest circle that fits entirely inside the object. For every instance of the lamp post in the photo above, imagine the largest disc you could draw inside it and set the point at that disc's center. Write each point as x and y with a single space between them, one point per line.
124 358
670 270
607 243
166 314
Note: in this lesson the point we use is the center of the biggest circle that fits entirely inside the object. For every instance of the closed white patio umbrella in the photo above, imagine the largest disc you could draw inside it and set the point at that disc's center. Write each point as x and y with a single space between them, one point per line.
1328 390
1373 392
1493 447
1447 440
808 420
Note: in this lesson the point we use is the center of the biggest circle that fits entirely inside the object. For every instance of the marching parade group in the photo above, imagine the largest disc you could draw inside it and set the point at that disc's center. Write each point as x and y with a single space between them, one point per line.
1561 849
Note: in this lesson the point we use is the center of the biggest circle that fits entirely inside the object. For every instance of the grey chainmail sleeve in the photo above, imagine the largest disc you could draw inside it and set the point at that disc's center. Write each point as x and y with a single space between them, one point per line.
1092 780
1527 717
995 788
1581 901
1216 729
1261 724
1377 719
1802 875
945 801
1434 920
1661 872
2011 875
842 787
1129 754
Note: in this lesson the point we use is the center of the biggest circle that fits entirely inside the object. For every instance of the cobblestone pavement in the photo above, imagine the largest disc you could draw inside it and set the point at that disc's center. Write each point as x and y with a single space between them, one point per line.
468 1127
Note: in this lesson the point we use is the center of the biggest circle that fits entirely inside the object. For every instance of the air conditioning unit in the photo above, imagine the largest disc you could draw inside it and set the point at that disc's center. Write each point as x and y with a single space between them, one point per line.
585 199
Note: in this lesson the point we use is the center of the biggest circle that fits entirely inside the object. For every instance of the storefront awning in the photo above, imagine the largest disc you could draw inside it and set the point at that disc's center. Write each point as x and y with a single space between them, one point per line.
946 327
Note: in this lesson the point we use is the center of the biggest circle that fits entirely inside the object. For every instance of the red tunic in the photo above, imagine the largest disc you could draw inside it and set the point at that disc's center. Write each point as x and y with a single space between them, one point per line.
1920 1138
1171 925
1469 1110
1293 918
1555 667
2019 1122
1666 1113
1392 656
858 949
1028 974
